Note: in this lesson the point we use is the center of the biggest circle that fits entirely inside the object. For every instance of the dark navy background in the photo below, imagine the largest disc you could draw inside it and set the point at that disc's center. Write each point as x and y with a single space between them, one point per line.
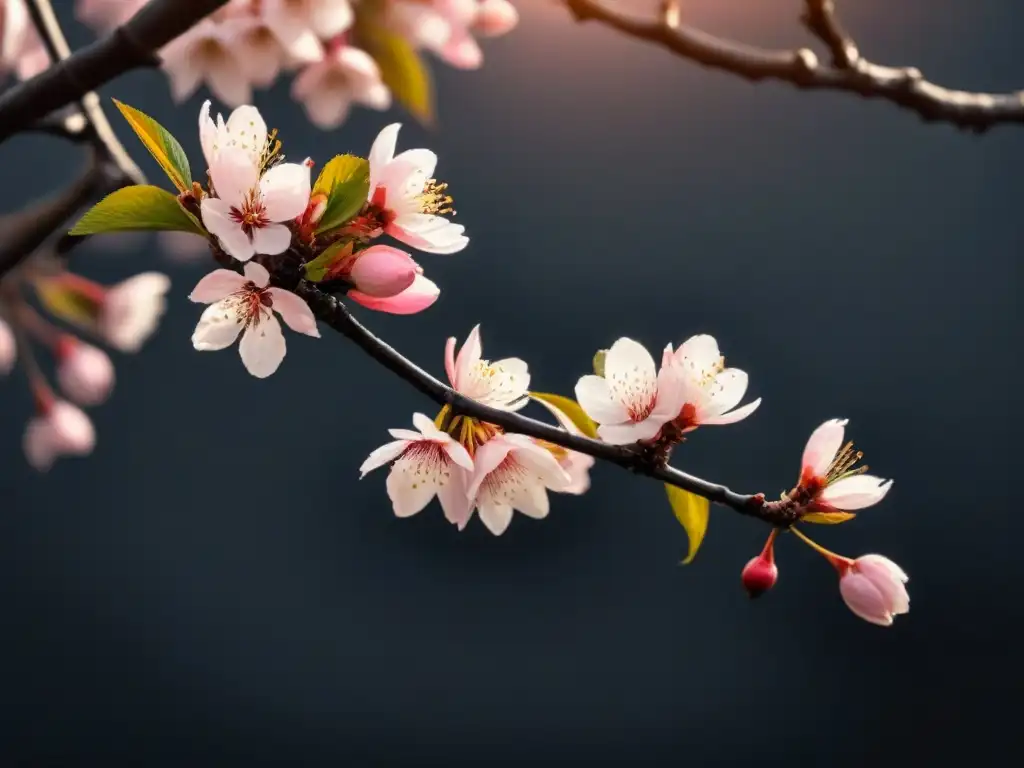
216 584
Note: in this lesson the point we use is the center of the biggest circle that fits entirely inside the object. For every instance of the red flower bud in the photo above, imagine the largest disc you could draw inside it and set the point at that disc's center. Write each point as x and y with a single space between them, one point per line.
760 573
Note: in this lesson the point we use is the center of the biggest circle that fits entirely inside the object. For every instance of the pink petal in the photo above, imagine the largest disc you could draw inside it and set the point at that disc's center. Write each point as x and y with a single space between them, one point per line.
216 215
449 359
262 347
294 311
487 459
271 239
495 516
864 599
468 357
285 189
257 274
417 297
823 445
733 416
454 499
383 455
216 285
234 174
382 152
855 492
382 271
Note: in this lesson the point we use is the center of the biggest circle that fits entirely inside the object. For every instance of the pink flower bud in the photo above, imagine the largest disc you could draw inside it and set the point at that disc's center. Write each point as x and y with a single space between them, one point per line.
760 573
496 17
84 373
60 429
873 588
132 309
382 271
8 349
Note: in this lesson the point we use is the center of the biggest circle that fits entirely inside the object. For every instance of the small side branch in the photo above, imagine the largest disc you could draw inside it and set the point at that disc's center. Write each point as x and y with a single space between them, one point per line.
849 71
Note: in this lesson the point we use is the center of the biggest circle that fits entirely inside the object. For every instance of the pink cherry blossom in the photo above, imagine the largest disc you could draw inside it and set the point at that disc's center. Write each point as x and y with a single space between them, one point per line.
130 310
60 429
710 390
8 348
325 18
345 76
503 384
632 401
873 587
495 17
245 131
407 201
21 49
386 279
513 472
207 52
828 479
248 212
421 294
85 374
240 303
442 26
427 463
577 465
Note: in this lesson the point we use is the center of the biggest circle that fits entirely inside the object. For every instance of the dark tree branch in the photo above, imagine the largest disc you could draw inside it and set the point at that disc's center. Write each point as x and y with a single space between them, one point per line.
849 72
333 313
132 45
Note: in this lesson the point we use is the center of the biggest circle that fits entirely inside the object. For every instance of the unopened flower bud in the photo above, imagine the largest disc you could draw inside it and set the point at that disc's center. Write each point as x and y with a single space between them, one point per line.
8 349
496 17
85 374
760 573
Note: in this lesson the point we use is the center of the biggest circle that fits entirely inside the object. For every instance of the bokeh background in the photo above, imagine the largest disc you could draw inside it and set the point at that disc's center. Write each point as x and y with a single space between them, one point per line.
215 584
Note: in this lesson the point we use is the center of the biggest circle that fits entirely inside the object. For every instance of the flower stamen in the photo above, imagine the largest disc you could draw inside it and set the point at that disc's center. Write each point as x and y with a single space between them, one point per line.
434 200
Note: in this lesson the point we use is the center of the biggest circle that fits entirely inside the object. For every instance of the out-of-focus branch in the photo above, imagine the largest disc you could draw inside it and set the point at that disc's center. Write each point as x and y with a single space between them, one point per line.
132 45
849 71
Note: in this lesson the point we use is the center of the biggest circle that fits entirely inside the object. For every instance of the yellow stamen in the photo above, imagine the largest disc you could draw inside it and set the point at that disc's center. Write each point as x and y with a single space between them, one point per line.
433 199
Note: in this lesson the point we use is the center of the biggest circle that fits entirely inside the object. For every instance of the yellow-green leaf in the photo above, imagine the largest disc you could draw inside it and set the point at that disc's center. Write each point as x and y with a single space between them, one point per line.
135 208
345 182
161 145
402 69
571 410
598 363
72 306
317 269
827 518
692 512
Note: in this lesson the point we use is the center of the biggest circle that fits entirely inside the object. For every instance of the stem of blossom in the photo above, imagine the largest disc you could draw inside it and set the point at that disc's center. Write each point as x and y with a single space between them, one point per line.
334 314
849 72
838 561
130 46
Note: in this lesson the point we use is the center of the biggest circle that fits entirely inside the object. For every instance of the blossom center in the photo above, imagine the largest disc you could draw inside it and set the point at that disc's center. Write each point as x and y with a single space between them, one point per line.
434 199
253 213
842 464
253 304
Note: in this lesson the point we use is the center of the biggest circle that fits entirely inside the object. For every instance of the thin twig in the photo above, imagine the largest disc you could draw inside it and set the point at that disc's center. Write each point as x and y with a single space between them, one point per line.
850 72
132 45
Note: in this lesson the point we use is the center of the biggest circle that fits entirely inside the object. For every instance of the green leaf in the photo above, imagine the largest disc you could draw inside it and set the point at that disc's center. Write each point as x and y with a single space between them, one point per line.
161 145
570 409
318 268
136 208
402 69
827 518
692 512
598 363
67 304
345 182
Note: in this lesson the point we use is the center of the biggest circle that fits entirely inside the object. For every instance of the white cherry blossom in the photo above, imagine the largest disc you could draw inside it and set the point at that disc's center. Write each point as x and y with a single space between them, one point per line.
828 479
131 310
577 465
406 201
248 212
632 401
60 429
503 384
247 304
427 463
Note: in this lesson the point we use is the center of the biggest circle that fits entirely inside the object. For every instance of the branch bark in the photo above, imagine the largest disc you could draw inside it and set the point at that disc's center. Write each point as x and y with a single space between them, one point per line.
849 71
130 46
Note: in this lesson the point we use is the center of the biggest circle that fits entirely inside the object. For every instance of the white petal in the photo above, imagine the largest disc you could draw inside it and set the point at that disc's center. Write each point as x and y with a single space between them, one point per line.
383 455
675 390
247 130
271 239
699 355
294 311
724 393
234 175
257 274
422 160
262 347
468 357
823 445
218 327
630 372
217 219
455 502
328 107
488 457
425 425
594 396
733 416
495 516
416 477
382 152
539 461
626 434
228 82
216 285
856 492
405 434
449 359
459 455
285 190
560 416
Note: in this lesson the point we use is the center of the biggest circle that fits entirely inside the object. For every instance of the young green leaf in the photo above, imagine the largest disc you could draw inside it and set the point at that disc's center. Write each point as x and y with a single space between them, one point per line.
136 208
692 512
572 410
827 518
402 69
345 182
317 269
161 144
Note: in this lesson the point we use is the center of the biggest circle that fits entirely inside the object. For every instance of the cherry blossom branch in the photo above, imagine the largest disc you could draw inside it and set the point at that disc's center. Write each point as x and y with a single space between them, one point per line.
131 46
849 71
333 313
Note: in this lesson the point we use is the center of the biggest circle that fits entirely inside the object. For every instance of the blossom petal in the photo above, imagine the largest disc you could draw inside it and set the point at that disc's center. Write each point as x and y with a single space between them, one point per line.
271 239
539 461
294 311
626 434
856 492
630 372
218 327
257 274
699 355
886 563
454 500
733 416
488 457
234 175
262 347
594 396
383 455
468 357
416 477
217 285
417 297
247 130
495 516
449 359
888 579
458 454
382 152
822 446
285 189
724 392
216 215
422 161
382 271
864 599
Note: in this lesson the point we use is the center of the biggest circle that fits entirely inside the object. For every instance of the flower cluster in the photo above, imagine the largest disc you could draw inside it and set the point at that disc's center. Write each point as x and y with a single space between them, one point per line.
472 466
339 49
256 205
122 316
